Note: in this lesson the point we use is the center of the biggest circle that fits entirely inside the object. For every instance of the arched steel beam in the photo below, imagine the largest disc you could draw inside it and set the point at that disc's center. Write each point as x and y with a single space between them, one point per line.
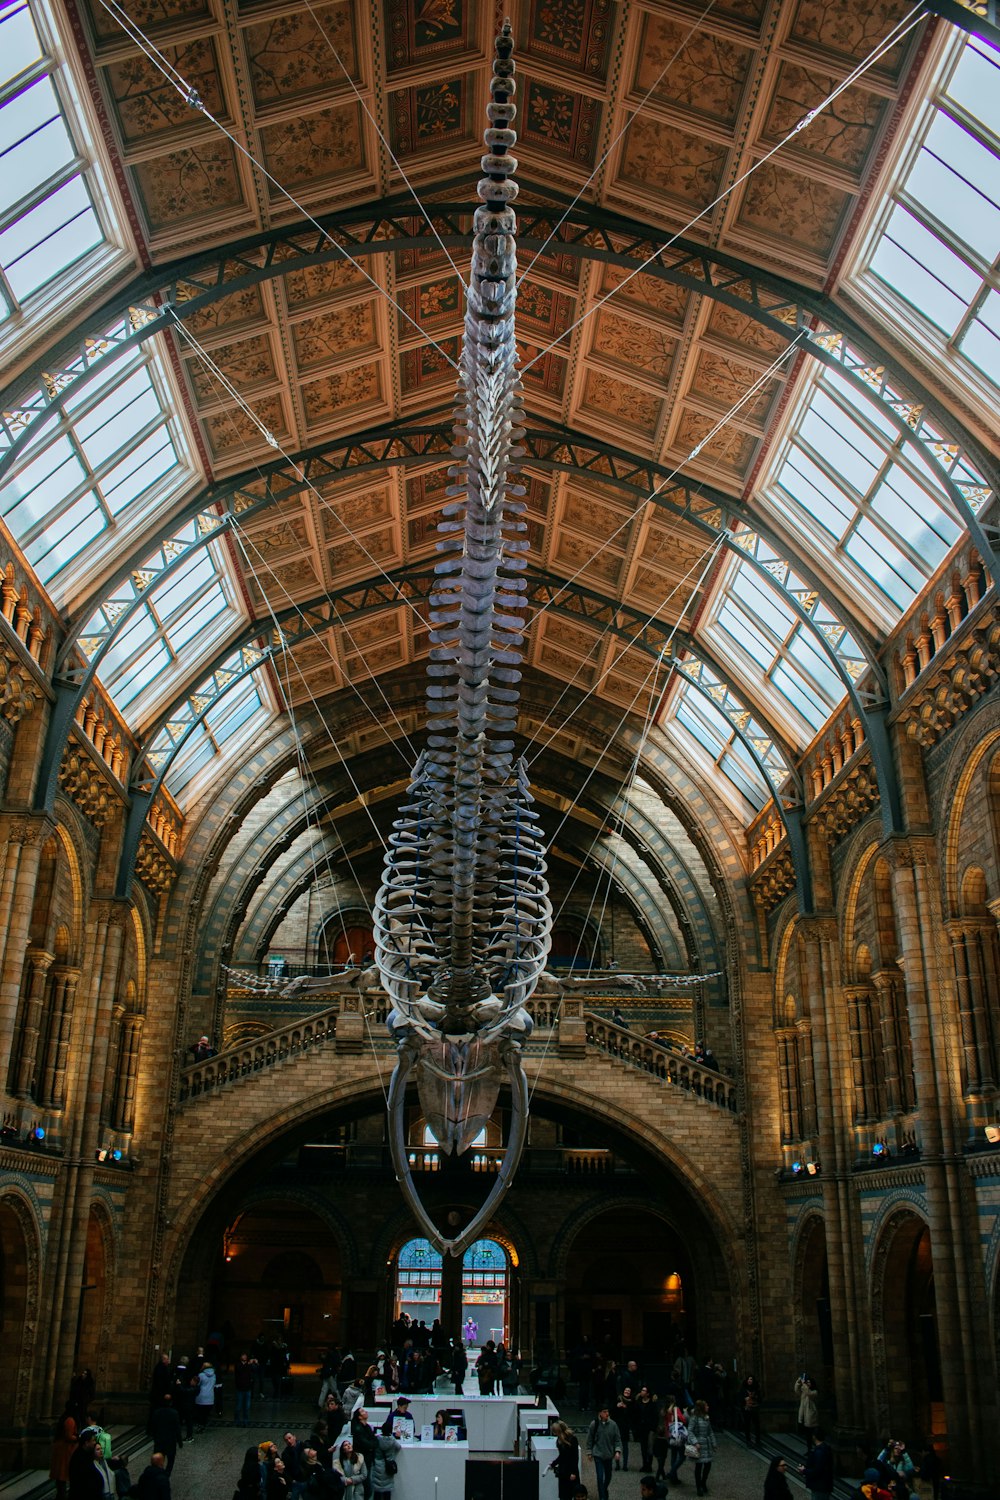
379 771
710 512
354 840
549 448
773 756
154 300
300 621
259 926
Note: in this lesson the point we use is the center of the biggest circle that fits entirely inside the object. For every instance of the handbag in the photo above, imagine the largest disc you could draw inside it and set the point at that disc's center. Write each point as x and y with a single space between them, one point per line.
692 1450
391 1466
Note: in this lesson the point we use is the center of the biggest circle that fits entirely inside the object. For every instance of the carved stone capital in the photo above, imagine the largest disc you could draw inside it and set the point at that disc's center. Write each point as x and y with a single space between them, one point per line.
909 851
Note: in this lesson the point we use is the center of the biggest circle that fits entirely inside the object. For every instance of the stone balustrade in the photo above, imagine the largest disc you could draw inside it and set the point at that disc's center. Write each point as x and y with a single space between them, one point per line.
660 1062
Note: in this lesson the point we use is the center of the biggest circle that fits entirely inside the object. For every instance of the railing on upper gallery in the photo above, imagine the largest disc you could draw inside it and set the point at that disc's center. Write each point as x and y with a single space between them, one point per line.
304 1034
660 1061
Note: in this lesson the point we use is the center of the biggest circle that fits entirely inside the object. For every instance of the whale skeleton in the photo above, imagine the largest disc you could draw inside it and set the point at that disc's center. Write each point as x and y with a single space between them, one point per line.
463 917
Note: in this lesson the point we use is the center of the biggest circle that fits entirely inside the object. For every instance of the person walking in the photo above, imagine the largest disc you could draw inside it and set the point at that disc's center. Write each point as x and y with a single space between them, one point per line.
604 1447
63 1448
244 1376
776 1486
701 1439
817 1471
566 1464
165 1430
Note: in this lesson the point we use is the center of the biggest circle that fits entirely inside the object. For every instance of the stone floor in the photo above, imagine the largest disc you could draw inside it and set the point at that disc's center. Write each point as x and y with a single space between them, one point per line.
207 1468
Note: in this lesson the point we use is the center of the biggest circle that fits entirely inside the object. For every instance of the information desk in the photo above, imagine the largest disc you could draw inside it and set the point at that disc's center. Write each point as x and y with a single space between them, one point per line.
491 1422
421 1464
543 1448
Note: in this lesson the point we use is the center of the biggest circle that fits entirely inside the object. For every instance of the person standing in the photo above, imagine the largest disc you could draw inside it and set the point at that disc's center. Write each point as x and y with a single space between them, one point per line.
702 1439
244 1375
204 1396
63 1448
384 1465
165 1430
808 1396
750 1409
183 1389
566 1464
86 1480
459 1366
604 1447
817 1471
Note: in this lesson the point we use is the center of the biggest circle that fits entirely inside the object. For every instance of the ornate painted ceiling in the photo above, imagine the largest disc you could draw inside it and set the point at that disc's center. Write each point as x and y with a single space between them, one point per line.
646 111
690 196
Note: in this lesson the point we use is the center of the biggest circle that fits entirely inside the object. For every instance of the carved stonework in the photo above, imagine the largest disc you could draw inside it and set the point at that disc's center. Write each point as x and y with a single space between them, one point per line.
772 883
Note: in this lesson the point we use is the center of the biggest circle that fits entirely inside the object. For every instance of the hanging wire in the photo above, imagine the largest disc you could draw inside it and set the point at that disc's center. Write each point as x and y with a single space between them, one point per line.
378 131
898 32
192 98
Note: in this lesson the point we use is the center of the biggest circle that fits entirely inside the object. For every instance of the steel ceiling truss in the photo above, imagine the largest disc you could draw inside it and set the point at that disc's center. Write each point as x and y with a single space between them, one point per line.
156 300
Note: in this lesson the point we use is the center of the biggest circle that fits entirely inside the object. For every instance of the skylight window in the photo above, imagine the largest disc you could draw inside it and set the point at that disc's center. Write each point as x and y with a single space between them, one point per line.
112 456
237 716
931 261
755 627
192 609
850 479
716 738
47 218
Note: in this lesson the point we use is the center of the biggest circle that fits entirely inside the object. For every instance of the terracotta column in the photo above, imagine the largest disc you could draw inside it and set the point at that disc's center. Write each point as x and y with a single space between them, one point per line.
123 1108
85 1083
53 1070
36 980
788 1085
21 841
819 964
951 1209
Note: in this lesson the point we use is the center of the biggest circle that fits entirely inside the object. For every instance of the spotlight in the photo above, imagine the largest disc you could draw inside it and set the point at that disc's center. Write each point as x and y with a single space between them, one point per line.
880 1149
101 1153
796 1167
812 1168
993 1134
116 1154
38 1134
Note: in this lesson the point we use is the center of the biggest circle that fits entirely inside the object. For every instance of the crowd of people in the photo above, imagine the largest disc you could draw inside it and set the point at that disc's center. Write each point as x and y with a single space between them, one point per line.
626 1418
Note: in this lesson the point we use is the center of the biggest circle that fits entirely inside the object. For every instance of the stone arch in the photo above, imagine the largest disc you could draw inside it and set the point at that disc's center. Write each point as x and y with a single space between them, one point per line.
973 891
784 960
361 1093
93 1340
720 1267
811 1301
977 738
20 1269
904 1325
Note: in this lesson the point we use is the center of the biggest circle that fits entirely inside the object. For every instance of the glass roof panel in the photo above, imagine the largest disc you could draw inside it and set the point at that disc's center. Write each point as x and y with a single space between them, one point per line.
118 444
932 264
47 216
237 716
855 479
708 726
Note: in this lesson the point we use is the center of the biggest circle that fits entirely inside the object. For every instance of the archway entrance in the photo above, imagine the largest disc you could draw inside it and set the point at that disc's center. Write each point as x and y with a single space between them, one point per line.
485 1293
912 1390
15 1274
630 1287
814 1329
91 1345
278 1274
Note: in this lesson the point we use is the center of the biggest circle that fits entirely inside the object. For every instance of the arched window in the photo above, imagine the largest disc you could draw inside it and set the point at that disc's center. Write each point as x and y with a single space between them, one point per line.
418 1281
485 1291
